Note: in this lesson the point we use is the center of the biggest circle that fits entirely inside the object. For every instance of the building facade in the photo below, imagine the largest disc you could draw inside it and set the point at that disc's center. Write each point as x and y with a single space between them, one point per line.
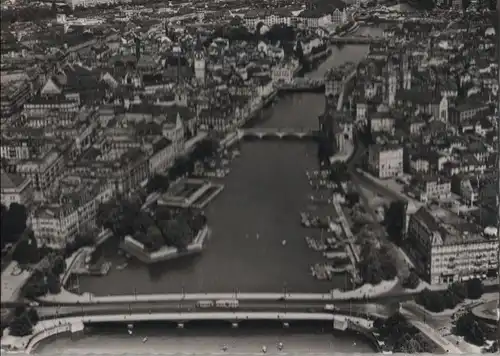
446 248
385 161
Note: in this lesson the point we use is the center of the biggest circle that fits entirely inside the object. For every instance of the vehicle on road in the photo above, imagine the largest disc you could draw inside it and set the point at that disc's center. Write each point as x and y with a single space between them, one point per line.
330 307
205 304
230 303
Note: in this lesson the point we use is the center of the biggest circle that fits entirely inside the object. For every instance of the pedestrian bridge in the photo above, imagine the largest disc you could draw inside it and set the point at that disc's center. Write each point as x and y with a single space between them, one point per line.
301 84
272 133
343 40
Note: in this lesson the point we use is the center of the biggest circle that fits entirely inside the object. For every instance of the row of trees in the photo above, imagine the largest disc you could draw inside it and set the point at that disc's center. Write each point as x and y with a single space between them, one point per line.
206 149
12 223
154 228
46 280
23 322
437 301
400 335
376 263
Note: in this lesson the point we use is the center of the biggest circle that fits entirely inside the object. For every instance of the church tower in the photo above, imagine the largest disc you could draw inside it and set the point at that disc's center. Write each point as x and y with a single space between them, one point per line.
199 62
392 89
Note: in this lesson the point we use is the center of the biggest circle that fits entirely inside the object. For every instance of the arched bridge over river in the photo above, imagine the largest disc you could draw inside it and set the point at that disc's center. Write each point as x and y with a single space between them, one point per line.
274 133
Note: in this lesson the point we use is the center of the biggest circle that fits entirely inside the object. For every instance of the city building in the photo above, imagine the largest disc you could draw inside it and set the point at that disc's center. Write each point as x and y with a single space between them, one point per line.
15 189
385 161
446 248
427 188
60 221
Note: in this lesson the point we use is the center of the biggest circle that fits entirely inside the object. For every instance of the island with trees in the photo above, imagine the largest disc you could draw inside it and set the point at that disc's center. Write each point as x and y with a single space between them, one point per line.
154 233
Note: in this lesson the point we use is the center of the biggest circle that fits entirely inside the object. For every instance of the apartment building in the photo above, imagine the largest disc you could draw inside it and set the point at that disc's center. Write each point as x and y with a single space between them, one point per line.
14 189
426 188
385 161
44 170
57 223
13 96
457 115
446 248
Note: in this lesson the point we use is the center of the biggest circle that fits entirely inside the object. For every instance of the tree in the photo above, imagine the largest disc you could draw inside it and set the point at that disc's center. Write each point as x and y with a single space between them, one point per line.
473 330
352 198
205 149
459 289
33 316
59 266
412 281
13 223
388 262
158 183
431 300
155 239
26 251
370 265
21 326
19 310
395 220
475 288
178 233
53 284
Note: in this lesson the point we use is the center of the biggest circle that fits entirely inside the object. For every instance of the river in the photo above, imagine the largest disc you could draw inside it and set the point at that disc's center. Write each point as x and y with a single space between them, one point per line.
258 209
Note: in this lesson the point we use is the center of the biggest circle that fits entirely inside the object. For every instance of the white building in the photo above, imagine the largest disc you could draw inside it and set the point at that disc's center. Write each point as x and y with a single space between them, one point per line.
57 223
385 161
446 248
15 189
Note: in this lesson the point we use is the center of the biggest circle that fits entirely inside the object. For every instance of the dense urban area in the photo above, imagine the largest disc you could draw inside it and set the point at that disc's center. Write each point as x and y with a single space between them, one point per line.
235 160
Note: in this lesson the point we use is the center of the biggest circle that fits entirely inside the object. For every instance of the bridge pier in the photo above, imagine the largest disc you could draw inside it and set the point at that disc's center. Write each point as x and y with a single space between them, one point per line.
180 325
234 325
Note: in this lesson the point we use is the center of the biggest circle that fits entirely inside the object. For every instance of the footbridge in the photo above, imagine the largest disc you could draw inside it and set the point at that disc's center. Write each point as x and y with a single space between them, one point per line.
345 40
272 133
298 84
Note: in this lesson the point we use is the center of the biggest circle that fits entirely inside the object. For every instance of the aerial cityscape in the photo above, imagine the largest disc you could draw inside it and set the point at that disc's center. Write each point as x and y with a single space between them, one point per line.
272 177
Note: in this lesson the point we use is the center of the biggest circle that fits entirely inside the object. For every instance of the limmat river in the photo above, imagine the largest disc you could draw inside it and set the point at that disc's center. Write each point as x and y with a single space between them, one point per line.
258 209
206 342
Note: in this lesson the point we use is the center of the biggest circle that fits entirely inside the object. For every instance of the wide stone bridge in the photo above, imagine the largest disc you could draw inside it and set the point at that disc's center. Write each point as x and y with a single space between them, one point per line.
275 133
344 40
301 84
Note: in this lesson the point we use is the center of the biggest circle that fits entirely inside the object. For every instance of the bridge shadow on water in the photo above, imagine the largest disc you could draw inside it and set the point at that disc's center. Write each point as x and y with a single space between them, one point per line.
243 326
285 138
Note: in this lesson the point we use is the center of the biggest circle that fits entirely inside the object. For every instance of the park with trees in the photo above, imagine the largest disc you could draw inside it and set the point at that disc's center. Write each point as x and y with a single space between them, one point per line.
400 336
155 227
13 223
438 301
473 330
376 263
23 321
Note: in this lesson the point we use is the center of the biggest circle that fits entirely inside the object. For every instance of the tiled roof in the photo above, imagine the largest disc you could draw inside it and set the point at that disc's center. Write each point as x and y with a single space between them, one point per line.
10 181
